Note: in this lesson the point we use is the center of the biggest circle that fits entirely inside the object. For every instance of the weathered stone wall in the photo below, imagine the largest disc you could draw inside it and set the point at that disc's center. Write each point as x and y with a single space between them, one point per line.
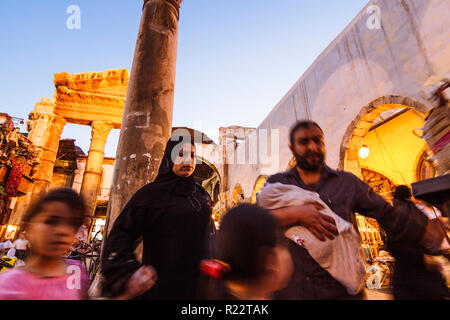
360 66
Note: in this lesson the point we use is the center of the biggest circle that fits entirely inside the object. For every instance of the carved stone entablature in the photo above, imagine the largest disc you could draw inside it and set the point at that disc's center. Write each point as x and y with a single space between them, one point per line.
83 107
110 82
92 96
66 96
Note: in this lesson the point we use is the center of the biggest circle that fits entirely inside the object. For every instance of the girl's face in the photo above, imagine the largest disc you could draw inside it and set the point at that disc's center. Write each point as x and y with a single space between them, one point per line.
52 231
280 268
184 164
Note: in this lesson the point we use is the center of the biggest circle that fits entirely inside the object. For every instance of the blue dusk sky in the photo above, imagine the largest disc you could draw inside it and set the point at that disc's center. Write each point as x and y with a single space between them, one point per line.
236 58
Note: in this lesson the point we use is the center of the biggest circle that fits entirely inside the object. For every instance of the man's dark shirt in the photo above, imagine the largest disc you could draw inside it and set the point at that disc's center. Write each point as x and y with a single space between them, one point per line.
344 194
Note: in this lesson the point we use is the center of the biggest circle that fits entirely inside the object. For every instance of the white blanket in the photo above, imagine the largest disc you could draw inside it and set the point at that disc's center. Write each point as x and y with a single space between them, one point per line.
341 257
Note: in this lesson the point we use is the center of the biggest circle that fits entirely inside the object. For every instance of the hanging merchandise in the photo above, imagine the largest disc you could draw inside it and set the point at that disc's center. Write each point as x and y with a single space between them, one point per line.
12 185
436 130
370 237
367 252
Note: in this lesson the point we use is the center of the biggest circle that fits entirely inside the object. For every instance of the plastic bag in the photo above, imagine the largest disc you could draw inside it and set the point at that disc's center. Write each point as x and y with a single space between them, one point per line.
11 253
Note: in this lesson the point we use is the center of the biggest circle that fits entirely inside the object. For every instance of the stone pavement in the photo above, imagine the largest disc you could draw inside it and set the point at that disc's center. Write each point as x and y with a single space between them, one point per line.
382 294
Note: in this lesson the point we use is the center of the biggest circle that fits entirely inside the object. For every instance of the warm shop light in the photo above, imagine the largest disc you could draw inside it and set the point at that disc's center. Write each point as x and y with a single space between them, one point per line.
11 232
10 228
364 152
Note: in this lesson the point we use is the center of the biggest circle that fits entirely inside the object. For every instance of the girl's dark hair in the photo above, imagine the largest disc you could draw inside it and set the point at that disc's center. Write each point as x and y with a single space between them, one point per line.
243 231
66 195
402 193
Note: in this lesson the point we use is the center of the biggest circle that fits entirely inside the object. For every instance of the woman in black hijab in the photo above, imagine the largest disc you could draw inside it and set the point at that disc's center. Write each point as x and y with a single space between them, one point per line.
172 216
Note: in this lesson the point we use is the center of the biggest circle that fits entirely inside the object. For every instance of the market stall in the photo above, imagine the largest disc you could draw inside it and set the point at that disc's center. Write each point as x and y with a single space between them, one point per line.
18 164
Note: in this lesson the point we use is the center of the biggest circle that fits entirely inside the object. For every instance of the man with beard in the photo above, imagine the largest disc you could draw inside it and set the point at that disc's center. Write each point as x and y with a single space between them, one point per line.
344 194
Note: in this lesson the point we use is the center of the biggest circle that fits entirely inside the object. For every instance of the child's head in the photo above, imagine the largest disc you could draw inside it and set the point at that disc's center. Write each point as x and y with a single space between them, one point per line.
248 243
53 221
402 192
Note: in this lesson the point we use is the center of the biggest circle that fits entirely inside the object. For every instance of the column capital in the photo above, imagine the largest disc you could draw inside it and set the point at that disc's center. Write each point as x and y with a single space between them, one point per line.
46 116
101 129
36 115
58 121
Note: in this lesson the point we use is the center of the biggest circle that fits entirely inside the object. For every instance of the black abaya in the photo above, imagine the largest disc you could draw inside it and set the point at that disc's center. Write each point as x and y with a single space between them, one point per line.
172 216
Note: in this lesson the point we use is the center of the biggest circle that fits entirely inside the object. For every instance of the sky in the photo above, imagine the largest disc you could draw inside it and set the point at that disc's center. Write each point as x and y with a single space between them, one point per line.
236 59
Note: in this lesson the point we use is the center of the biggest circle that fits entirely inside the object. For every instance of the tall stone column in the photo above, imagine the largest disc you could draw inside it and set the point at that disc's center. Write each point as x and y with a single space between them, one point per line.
49 152
93 170
147 117
38 126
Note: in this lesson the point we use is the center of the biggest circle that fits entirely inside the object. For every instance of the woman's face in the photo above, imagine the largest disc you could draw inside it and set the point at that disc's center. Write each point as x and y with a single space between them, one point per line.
52 231
184 164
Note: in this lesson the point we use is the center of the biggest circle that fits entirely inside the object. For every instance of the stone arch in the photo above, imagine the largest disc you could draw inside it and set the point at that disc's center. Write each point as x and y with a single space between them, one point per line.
360 126
202 176
379 182
259 184
423 169
211 165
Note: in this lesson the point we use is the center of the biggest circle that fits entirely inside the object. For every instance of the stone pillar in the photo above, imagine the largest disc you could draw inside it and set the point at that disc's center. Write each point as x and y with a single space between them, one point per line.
38 126
147 118
93 170
49 152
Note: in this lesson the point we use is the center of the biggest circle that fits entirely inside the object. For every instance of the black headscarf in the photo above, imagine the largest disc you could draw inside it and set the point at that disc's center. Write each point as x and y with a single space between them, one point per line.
152 199
167 184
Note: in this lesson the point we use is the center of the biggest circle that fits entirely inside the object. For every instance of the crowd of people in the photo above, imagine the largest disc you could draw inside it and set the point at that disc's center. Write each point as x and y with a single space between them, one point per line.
279 248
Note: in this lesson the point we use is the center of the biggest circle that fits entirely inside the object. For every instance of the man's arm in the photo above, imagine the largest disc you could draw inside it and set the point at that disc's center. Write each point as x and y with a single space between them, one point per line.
308 216
119 262
403 225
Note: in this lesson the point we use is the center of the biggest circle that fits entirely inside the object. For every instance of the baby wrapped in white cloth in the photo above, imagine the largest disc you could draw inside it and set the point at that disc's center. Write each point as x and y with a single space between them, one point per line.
341 257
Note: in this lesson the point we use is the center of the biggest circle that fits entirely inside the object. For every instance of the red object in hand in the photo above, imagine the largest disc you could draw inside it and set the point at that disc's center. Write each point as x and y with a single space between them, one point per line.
214 268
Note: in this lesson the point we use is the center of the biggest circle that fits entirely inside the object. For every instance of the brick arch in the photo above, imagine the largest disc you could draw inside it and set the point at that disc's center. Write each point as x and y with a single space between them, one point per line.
360 126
